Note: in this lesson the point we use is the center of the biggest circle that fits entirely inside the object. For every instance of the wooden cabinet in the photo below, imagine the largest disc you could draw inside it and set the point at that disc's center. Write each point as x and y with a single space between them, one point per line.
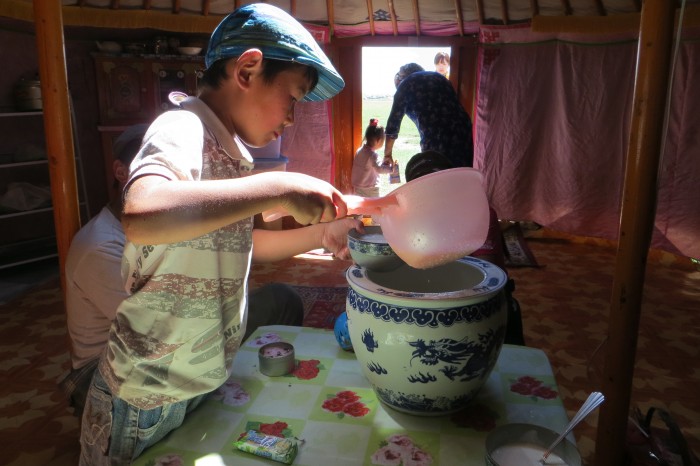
134 89
125 92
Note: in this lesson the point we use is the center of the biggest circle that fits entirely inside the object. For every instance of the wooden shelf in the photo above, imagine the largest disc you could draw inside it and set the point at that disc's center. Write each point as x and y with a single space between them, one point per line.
13 113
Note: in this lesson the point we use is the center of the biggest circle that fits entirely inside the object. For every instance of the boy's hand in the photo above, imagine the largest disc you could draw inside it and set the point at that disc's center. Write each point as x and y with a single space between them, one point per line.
335 236
312 200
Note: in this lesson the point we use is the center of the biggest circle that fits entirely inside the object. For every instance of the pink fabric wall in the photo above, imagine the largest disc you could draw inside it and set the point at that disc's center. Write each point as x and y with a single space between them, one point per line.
552 128
307 143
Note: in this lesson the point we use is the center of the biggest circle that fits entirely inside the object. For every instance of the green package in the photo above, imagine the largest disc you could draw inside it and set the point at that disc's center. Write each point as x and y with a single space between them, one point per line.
279 449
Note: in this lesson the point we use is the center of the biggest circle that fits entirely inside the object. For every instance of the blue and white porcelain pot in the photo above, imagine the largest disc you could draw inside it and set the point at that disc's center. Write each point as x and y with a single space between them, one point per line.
427 339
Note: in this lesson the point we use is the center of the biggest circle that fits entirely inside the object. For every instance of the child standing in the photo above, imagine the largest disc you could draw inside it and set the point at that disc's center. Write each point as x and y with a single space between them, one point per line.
188 214
442 64
366 166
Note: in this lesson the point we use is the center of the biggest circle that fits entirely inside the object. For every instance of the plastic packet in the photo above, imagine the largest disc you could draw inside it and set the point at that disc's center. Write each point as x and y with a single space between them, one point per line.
283 450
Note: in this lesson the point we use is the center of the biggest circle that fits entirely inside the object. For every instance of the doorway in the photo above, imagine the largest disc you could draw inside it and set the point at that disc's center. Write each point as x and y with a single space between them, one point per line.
379 65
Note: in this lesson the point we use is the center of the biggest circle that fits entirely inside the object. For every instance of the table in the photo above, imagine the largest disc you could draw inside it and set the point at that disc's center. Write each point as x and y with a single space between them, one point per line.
329 405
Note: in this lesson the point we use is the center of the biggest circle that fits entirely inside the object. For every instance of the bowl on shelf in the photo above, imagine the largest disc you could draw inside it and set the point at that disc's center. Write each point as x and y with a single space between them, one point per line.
371 251
427 339
189 50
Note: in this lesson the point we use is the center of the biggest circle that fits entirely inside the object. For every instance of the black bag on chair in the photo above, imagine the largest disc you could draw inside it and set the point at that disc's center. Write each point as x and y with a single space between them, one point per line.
649 445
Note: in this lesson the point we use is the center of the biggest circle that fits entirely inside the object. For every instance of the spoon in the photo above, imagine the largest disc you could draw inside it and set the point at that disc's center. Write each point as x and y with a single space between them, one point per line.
594 400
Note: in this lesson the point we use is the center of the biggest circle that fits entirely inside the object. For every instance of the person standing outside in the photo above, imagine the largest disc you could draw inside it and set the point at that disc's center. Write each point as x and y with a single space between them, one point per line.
366 166
442 64
431 102
188 215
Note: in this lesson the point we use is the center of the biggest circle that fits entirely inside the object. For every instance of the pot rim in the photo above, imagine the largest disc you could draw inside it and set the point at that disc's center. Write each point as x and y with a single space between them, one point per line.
493 282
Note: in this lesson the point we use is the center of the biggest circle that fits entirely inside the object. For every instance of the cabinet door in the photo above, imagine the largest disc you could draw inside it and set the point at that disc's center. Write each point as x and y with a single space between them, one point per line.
174 76
125 91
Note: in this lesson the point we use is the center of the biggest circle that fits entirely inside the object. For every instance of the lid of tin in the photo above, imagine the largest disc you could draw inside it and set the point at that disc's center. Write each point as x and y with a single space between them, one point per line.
276 358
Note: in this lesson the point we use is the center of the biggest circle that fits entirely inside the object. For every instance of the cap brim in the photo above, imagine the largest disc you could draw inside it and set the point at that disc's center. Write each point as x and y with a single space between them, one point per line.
329 82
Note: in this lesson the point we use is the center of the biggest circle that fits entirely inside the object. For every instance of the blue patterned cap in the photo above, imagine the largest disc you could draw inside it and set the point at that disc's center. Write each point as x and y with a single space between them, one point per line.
279 36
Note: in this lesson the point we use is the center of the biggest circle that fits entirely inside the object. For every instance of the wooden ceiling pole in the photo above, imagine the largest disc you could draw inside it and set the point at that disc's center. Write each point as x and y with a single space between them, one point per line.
600 7
636 225
331 17
480 10
534 7
566 8
50 45
504 12
416 15
370 17
460 19
392 13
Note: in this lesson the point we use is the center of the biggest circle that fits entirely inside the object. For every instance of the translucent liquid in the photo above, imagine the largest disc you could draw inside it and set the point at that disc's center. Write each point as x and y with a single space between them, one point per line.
524 454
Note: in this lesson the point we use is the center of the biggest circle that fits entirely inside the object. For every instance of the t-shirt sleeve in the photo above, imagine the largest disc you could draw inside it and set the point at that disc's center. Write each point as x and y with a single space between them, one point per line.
172 148
398 110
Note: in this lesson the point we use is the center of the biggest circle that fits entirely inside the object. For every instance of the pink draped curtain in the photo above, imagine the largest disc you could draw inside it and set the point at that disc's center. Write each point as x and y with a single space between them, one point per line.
552 127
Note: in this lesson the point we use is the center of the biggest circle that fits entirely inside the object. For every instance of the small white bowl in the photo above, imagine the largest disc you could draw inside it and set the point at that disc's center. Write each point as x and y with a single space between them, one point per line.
189 50
371 251
525 444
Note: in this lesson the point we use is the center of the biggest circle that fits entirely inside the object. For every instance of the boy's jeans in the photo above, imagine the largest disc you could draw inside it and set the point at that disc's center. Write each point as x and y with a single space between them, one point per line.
116 433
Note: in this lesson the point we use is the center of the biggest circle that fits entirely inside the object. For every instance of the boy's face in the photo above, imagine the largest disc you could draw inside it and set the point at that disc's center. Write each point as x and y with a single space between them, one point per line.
269 106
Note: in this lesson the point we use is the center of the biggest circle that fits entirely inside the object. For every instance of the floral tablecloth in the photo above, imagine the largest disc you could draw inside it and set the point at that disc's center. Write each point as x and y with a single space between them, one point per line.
329 406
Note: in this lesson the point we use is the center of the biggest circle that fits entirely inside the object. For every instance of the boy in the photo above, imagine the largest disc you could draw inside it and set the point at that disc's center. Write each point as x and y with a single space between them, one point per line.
188 218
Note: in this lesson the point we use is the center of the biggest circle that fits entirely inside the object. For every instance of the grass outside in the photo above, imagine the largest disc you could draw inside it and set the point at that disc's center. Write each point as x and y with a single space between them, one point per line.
406 146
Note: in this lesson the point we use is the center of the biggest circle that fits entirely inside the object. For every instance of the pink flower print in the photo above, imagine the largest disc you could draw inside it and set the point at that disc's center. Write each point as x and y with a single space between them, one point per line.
276 429
418 457
169 460
529 381
401 440
530 386
389 455
348 396
544 392
400 450
307 370
231 393
334 405
264 340
345 402
355 409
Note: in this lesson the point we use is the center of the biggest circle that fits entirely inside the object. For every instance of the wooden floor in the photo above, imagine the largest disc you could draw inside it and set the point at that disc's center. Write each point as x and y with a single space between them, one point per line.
564 304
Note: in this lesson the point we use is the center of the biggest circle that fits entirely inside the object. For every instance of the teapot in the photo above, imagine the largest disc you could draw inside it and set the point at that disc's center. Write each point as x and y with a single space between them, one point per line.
109 46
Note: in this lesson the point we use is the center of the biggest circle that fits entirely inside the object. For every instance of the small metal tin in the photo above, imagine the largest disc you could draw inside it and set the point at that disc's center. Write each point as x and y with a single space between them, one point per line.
276 358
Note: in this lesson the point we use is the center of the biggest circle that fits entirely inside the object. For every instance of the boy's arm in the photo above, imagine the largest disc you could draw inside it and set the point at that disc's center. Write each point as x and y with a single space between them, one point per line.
158 210
272 245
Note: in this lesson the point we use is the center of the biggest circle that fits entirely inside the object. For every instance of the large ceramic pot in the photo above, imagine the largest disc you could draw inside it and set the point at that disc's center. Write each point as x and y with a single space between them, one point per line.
427 339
